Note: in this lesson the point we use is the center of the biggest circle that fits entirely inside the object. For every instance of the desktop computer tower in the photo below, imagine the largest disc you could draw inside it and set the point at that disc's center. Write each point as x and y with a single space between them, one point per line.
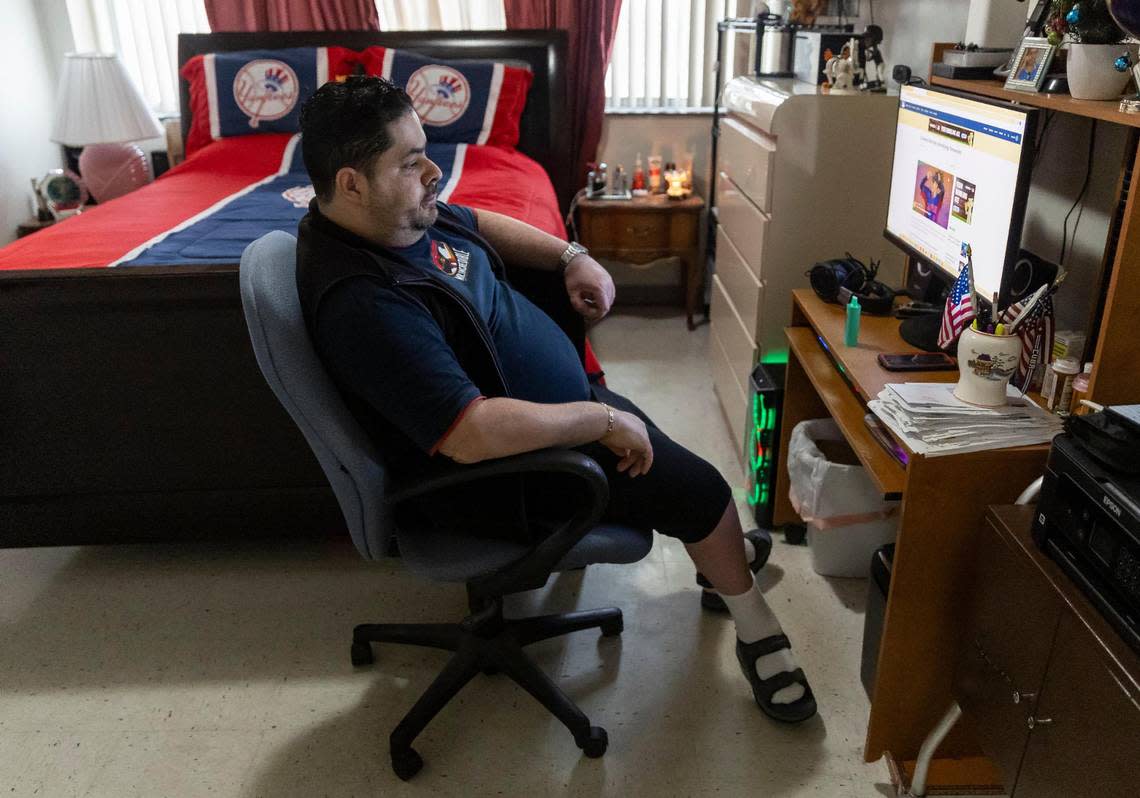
761 448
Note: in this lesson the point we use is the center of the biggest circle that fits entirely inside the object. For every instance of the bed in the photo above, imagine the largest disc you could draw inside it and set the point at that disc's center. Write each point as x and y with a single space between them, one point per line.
132 406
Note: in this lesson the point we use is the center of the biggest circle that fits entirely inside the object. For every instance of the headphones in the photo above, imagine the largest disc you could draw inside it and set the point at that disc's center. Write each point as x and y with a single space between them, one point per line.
840 279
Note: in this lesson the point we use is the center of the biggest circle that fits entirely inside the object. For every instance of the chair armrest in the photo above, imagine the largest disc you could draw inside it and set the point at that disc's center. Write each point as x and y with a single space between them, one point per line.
566 461
532 569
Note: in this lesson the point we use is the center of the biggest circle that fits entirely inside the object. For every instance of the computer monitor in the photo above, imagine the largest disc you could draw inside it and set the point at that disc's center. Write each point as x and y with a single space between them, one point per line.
960 176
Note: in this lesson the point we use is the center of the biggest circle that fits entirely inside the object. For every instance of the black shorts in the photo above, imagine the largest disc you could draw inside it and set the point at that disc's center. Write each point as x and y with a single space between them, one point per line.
683 495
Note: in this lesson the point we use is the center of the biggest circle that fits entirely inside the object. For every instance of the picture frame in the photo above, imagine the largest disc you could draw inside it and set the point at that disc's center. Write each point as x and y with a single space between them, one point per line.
1030 64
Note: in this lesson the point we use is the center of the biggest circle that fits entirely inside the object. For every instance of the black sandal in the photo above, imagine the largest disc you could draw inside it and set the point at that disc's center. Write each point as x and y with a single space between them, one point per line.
762 542
763 689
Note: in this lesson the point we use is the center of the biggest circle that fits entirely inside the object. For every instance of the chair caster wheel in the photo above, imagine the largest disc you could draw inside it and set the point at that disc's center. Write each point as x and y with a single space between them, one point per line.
594 744
613 628
361 654
406 763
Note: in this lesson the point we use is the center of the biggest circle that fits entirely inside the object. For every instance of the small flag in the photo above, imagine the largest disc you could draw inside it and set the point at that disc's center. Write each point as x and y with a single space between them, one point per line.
1036 334
959 310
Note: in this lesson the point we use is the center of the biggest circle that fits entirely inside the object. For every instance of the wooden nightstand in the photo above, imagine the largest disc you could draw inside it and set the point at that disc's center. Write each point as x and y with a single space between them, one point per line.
645 229
31 226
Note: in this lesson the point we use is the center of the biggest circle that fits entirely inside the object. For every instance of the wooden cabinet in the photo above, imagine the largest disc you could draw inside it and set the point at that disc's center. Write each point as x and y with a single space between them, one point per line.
645 229
1052 692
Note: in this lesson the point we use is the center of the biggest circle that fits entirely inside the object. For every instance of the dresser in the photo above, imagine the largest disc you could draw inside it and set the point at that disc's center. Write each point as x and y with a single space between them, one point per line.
801 176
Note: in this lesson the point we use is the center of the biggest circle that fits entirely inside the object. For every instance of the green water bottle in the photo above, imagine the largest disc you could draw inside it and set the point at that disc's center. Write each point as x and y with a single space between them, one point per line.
851 332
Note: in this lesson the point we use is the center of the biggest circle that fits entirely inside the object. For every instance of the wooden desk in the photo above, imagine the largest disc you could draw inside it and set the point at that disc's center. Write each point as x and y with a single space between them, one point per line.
943 505
644 229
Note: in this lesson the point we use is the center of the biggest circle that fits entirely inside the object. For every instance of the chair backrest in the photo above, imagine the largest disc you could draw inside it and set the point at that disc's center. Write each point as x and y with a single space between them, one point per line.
268 276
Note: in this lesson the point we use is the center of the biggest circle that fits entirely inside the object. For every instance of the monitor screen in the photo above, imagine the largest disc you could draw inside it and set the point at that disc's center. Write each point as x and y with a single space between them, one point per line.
960 176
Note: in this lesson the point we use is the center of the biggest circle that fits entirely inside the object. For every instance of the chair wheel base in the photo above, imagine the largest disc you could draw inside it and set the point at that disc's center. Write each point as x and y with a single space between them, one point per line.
406 763
594 744
362 654
613 628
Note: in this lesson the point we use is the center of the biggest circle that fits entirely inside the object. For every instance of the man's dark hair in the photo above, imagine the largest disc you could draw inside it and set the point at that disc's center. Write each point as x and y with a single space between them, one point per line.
346 124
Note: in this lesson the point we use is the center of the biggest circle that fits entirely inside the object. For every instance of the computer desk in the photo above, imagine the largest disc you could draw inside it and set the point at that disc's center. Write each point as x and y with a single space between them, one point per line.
944 500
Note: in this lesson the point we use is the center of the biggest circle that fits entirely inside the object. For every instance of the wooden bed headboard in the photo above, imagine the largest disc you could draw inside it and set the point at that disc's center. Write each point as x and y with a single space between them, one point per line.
543 131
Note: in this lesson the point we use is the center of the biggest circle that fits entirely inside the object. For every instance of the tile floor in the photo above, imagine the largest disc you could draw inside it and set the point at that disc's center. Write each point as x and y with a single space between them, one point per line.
223 670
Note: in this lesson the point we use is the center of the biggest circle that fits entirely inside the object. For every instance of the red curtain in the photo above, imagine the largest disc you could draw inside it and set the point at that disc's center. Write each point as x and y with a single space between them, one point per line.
591 27
262 15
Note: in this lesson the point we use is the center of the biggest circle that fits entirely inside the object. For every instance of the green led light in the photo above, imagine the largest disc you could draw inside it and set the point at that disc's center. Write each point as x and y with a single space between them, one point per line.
776 356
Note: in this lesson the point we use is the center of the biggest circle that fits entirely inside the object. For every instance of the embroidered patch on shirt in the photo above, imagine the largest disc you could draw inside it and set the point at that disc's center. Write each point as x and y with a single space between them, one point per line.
450 261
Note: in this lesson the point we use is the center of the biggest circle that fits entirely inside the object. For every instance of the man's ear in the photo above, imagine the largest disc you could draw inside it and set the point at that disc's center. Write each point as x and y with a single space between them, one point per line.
350 185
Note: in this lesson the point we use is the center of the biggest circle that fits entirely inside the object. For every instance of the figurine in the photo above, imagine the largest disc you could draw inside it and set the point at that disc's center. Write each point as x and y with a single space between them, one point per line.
840 70
874 70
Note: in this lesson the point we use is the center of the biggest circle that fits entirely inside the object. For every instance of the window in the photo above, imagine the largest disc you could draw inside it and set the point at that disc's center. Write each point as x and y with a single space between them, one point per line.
663 54
441 14
145 35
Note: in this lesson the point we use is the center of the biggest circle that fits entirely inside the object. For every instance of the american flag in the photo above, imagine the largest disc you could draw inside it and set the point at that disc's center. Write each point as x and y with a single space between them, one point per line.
1035 332
959 310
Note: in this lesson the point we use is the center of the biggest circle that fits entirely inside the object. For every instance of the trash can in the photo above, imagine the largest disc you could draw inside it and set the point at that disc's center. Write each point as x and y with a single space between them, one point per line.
845 514
878 587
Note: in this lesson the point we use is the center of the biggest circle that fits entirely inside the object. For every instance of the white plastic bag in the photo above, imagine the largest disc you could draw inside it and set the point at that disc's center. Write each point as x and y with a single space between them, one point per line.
846 516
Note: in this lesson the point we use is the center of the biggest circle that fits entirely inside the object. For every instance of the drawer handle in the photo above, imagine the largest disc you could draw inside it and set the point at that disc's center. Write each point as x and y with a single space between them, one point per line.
1035 722
1019 696
640 232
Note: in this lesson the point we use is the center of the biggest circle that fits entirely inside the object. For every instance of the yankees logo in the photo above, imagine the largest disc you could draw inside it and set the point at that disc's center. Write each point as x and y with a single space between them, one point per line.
265 89
439 94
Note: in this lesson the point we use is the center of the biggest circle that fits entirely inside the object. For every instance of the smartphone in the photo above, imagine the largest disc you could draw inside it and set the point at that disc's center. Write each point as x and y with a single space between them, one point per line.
918 361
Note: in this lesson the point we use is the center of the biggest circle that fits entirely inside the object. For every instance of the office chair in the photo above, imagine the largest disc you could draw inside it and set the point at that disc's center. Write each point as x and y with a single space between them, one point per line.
484 641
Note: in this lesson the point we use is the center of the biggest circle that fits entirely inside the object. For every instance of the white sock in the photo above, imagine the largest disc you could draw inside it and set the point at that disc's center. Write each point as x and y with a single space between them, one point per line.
755 621
749 551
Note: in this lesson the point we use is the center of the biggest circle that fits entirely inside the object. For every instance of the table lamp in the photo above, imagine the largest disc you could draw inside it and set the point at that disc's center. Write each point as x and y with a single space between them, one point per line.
101 110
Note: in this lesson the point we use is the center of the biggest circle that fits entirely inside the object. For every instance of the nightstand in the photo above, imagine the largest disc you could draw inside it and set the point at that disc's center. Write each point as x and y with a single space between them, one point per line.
31 226
644 229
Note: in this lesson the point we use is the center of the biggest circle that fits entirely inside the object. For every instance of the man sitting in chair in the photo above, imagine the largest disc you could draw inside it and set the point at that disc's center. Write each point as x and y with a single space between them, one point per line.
441 359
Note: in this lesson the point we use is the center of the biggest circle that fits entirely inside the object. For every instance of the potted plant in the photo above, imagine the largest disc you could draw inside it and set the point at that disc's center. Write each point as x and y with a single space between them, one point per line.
1094 43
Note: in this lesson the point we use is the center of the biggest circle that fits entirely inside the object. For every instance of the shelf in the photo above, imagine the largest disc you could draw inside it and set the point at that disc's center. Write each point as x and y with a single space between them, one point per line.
845 407
1106 110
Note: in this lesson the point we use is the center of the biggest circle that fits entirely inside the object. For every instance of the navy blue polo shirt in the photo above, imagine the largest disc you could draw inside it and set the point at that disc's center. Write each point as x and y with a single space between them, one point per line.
393 353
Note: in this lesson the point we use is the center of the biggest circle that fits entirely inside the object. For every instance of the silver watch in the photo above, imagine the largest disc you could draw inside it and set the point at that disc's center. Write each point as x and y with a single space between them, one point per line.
573 250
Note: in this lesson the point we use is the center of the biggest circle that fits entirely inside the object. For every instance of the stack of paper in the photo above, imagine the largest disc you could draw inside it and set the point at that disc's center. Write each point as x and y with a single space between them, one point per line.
930 420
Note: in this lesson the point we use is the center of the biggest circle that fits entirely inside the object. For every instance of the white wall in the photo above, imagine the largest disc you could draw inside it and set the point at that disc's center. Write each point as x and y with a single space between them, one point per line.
30 41
910 27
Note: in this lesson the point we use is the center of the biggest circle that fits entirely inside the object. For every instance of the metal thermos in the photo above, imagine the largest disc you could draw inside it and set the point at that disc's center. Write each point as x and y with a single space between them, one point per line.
775 47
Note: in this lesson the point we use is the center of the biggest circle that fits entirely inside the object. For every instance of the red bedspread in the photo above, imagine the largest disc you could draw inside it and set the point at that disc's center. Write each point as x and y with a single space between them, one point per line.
491 178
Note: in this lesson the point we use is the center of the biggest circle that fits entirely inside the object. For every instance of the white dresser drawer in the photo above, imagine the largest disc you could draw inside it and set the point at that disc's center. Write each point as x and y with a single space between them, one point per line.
747 156
743 222
736 340
740 283
733 401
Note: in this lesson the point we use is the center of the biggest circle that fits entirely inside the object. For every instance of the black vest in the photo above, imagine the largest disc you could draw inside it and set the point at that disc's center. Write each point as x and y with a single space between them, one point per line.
327 254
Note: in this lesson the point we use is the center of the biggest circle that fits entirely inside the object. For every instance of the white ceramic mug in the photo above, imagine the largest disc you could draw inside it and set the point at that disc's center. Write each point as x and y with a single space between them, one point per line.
985 364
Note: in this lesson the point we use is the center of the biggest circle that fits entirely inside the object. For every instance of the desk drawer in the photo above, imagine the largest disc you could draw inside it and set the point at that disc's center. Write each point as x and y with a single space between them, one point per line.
736 340
743 222
740 283
747 156
626 233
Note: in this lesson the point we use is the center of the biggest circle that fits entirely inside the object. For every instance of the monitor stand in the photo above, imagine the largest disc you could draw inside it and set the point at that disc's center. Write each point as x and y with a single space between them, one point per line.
922 331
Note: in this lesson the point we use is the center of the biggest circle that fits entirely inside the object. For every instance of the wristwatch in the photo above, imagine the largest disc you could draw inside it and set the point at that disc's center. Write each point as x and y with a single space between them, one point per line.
573 250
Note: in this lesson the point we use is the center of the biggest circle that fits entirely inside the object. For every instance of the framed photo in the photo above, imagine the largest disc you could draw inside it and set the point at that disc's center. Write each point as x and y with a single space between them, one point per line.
1030 64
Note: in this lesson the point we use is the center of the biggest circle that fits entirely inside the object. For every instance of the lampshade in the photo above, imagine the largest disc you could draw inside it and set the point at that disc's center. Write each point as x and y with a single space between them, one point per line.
98 103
